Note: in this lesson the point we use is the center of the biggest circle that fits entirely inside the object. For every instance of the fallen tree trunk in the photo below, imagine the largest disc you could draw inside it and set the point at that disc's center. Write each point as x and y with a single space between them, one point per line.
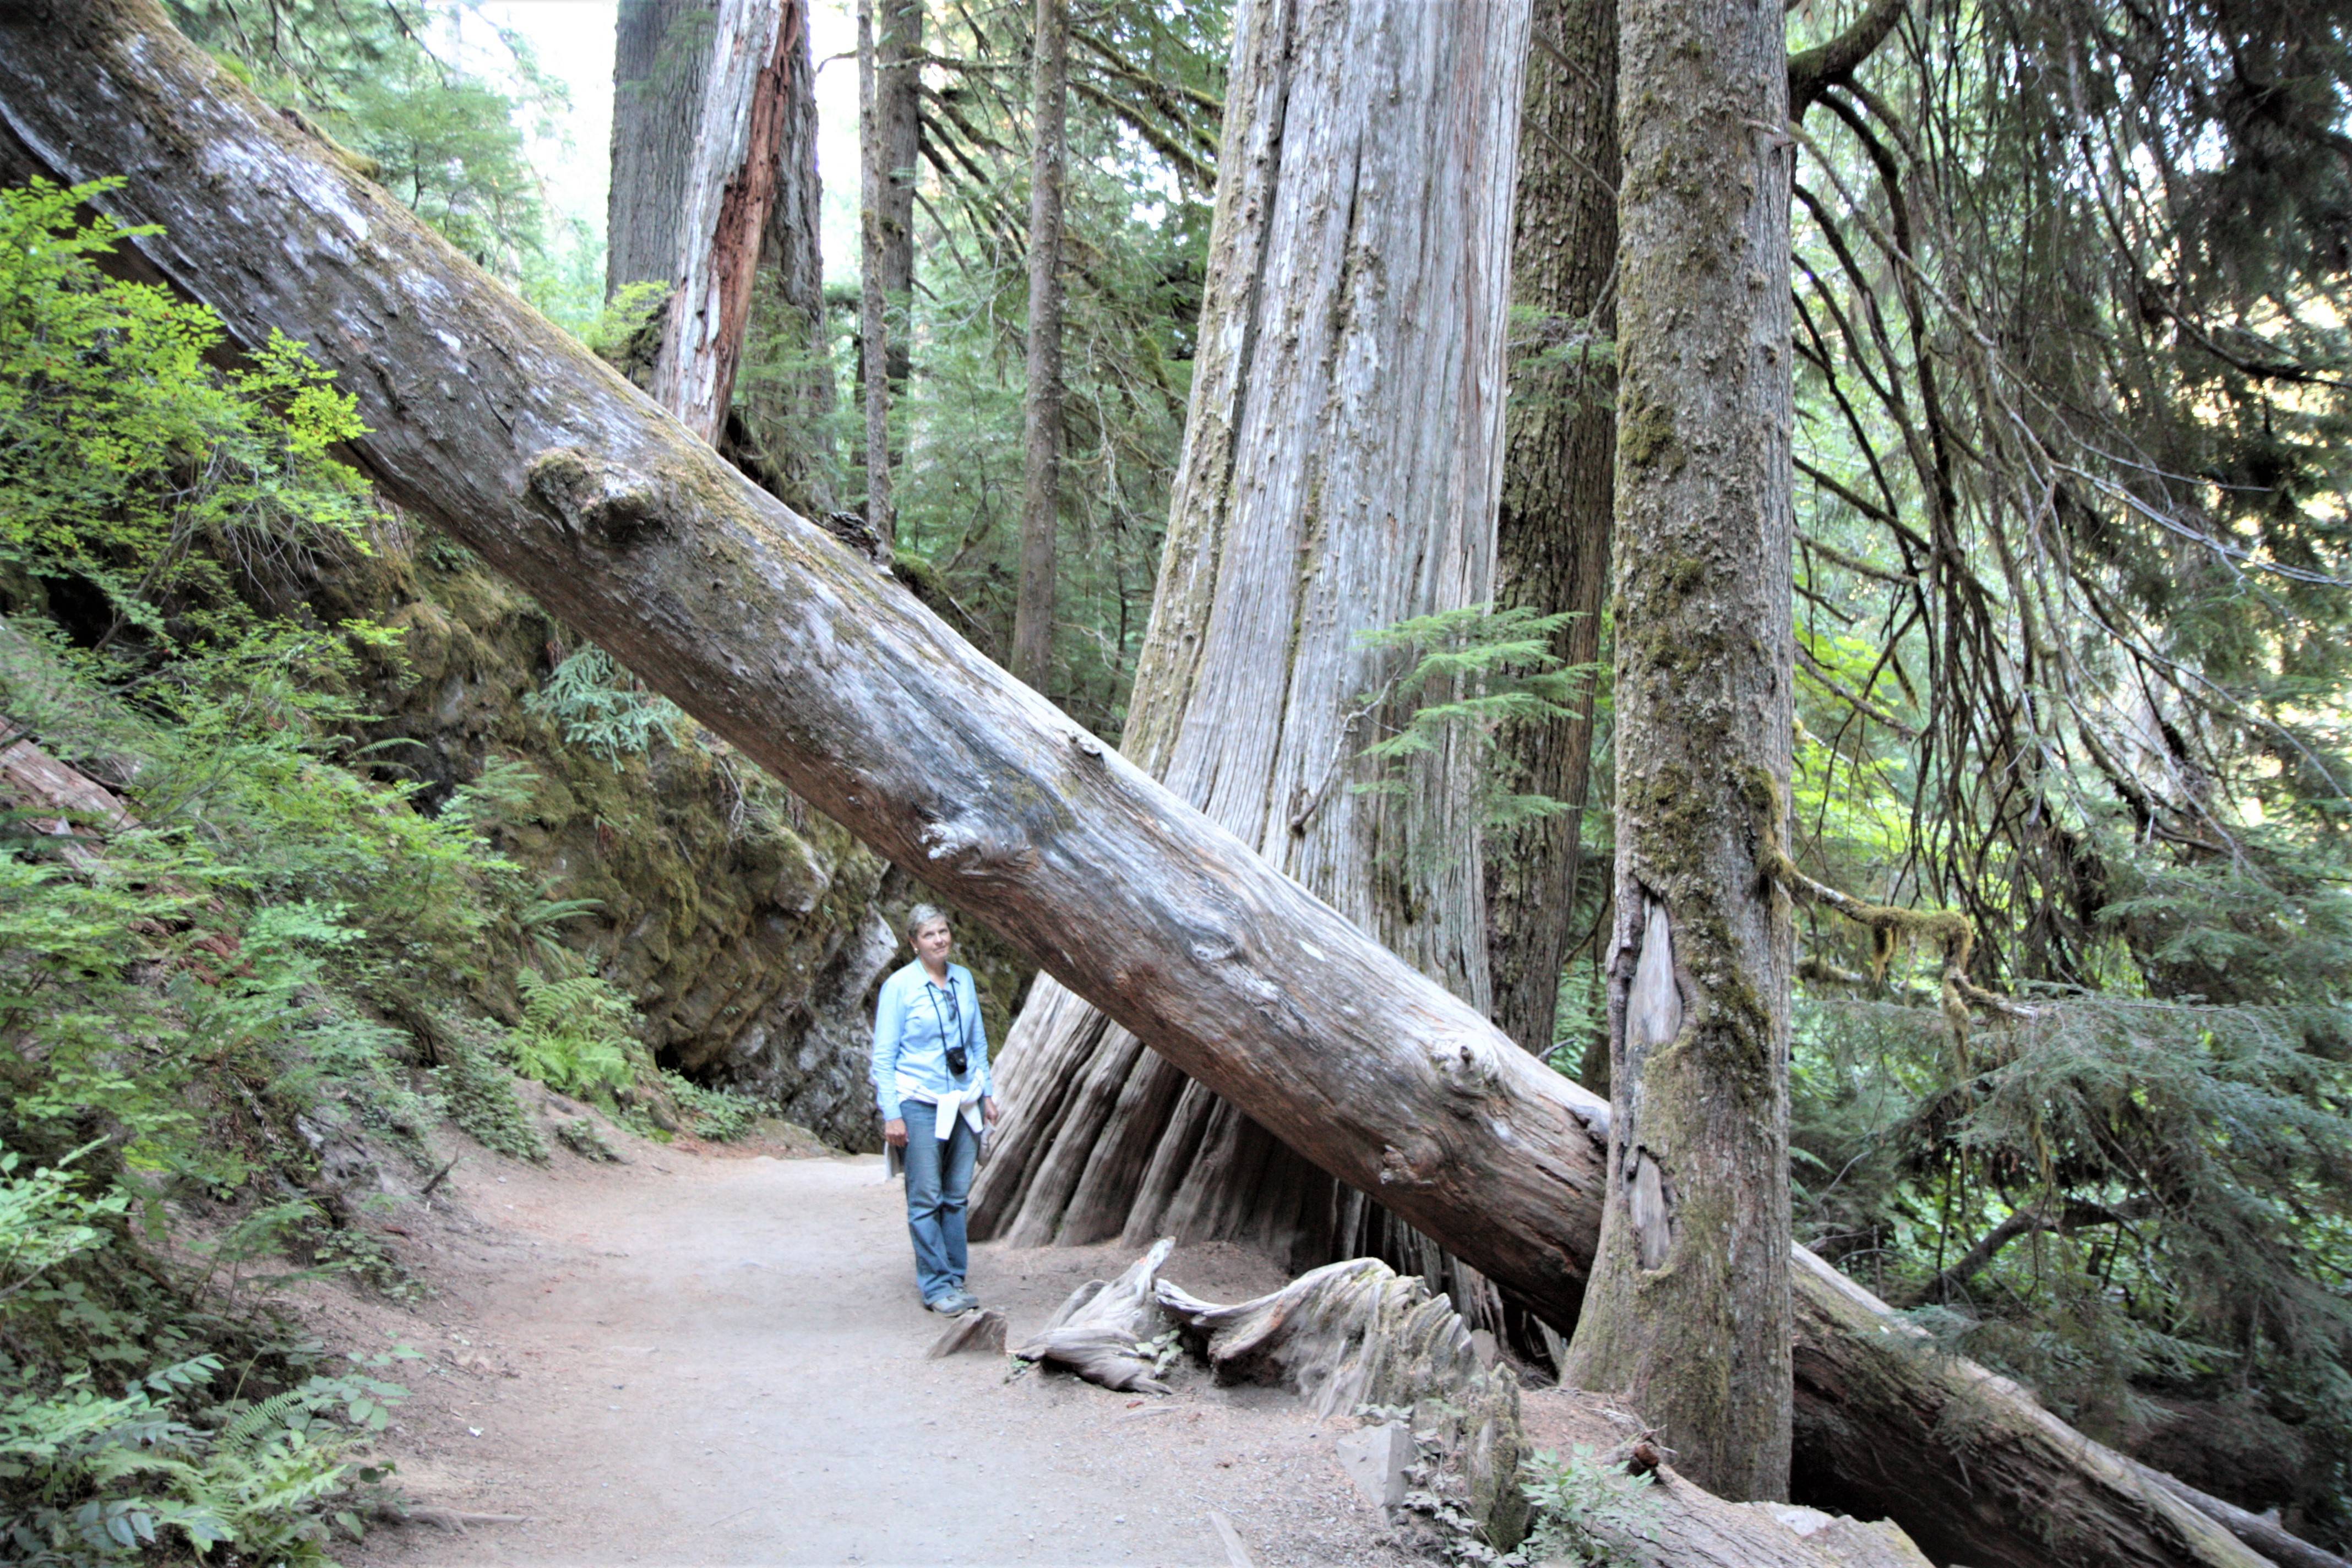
2265 1535
1674 1520
493 423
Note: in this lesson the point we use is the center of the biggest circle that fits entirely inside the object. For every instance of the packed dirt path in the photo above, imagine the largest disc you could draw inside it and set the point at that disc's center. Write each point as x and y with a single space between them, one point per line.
709 1357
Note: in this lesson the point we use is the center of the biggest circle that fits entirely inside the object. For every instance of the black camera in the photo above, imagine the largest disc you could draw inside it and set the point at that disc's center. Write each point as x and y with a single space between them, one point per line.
959 1058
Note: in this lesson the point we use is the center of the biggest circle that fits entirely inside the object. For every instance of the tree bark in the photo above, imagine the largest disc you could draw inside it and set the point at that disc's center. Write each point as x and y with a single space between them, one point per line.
497 425
786 407
1341 464
716 184
1032 615
889 145
1968 1463
661 58
1552 530
1687 1315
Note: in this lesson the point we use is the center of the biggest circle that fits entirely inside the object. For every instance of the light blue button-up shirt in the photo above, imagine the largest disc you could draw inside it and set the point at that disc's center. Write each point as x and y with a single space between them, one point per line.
915 1020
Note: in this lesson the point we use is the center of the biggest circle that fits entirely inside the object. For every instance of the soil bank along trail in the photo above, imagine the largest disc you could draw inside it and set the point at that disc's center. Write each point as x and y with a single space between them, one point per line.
715 1358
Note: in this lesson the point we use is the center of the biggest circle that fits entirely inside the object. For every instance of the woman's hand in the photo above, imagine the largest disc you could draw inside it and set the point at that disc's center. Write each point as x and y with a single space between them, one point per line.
987 1109
894 1132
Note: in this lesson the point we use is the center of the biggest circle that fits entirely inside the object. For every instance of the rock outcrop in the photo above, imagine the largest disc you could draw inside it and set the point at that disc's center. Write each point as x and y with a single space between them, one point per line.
749 930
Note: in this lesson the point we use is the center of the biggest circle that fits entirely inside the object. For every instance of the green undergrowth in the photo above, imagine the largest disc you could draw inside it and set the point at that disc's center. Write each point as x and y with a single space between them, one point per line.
1586 1512
240 992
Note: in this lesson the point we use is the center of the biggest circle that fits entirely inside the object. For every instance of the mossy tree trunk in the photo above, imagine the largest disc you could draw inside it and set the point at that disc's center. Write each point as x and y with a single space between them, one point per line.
1552 531
1339 473
488 421
1687 1313
1041 512
661 58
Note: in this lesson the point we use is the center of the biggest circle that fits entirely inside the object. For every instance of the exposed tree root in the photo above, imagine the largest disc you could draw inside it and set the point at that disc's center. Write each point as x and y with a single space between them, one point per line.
1104 1332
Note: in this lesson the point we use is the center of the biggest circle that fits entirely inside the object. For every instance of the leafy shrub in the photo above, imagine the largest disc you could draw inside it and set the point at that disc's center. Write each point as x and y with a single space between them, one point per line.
191 990
87 1476
479 1097
1584 1510
717 1114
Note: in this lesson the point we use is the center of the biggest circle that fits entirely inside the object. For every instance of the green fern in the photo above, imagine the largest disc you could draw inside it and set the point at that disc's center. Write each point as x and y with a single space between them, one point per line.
601 706
575 1036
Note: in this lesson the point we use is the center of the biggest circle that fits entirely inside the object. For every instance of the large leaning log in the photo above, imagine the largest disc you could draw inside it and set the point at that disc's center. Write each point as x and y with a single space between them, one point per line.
494 424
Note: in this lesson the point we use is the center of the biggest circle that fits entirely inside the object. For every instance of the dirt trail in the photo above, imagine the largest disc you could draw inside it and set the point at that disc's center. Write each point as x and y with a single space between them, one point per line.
710 1358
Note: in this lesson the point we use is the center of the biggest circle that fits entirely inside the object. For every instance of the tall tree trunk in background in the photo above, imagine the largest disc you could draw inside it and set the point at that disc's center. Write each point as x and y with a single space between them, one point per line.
711 185
1340 467
786 410
1687 1315
486 420
661 59
1552 545
889 44
1033 618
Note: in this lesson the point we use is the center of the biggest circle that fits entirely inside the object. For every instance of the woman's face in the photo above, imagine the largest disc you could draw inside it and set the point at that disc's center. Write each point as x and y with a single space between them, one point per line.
933 942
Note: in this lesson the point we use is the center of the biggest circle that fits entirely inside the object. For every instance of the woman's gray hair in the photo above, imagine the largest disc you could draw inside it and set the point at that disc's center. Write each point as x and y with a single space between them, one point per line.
922 915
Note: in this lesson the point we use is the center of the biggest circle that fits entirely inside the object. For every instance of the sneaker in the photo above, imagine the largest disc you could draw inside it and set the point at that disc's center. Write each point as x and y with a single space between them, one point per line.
971 1302
954 1304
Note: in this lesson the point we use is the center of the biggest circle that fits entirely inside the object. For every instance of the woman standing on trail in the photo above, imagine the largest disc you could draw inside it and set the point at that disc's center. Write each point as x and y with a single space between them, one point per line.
932 1087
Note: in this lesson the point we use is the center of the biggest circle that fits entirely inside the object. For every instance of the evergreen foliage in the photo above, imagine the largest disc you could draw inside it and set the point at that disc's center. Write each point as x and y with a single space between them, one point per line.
2073 583
1145 96
1468 672
434 101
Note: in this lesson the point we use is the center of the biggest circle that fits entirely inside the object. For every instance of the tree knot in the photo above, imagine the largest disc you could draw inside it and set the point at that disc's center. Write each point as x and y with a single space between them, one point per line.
967 843
613 505
1466 1063
1399 1169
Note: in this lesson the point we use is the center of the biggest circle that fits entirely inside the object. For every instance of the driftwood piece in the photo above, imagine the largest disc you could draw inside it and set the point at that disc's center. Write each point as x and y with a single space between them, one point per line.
55 801
1103 1332
981 1332
407 1510
33 781
1236 1554
1356 1333
486 420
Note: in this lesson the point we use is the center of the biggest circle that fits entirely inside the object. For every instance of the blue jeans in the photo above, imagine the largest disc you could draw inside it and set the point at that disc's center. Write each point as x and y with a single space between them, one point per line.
939 1179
